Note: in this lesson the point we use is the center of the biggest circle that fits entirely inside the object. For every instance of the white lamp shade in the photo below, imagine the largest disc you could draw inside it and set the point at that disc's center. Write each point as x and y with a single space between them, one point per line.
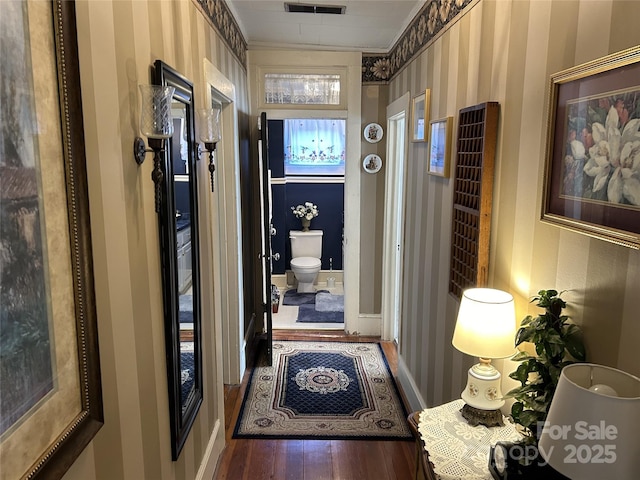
591 435
486 324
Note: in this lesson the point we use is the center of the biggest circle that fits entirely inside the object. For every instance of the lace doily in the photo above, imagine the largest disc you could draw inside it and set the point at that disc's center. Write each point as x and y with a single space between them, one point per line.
458 450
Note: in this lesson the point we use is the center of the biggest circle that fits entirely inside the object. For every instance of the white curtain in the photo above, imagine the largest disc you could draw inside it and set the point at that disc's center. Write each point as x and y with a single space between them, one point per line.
314 146
300 89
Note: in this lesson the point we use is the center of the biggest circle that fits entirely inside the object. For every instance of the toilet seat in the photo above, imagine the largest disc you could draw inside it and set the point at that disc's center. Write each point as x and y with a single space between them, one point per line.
305 262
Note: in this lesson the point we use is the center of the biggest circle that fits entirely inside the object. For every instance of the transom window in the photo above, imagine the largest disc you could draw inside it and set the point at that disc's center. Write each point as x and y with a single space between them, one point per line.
301 89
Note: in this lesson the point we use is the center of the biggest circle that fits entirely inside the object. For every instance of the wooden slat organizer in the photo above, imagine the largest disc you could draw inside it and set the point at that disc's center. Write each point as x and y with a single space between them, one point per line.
472 197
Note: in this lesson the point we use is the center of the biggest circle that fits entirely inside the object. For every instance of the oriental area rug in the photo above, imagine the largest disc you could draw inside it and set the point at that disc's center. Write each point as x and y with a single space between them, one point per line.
323 390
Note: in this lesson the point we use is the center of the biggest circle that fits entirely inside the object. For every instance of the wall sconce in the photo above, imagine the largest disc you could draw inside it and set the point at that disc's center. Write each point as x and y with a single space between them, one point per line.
209 128
156 124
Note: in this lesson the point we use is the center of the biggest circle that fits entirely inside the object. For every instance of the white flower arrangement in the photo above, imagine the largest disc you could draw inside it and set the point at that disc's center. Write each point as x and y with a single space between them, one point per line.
308 210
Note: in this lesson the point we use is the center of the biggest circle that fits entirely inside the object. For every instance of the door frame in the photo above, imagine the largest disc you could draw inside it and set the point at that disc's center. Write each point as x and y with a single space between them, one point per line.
394 213
223 208
354 321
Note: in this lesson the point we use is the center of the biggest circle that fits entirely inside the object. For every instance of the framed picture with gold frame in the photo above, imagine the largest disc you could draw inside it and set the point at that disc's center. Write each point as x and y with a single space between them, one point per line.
420 108
592 169
440 147
50 388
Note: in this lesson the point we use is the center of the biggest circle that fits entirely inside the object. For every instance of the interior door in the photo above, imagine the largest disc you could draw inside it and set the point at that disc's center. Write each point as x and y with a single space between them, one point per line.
266 230
394 217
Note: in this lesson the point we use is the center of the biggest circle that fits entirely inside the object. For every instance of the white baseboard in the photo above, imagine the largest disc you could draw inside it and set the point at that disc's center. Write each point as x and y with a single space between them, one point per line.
287 280
365 324
409 387
212 453
280 281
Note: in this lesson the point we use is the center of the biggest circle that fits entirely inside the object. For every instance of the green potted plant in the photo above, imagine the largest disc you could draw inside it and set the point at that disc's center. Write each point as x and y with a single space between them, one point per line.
557 343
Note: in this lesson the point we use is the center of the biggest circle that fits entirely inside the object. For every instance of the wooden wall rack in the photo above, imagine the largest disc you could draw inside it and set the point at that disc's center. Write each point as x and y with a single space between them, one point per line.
473 196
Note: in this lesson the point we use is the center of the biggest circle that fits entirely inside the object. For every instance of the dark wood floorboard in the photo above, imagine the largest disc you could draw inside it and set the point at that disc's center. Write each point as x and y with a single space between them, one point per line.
312 459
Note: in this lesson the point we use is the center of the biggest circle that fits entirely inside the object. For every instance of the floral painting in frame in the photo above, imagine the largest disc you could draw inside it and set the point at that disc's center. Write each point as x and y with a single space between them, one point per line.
592 173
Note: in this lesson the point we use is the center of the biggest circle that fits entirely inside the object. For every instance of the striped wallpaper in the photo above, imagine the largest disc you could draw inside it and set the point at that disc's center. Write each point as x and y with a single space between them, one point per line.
504 51
118 41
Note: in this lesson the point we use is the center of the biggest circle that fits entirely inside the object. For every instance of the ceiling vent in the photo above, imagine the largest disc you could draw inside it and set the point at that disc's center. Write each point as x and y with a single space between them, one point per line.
309 8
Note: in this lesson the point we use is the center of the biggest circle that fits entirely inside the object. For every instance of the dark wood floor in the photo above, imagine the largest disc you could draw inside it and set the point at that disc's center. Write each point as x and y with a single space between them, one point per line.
312 459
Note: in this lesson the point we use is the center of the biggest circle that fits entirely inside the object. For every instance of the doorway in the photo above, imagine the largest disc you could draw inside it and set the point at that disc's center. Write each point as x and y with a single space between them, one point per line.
397 127
306 158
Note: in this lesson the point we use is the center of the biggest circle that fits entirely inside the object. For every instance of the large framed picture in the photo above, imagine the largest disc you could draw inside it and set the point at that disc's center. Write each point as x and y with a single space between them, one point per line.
592 170
420 108
440 147
50 390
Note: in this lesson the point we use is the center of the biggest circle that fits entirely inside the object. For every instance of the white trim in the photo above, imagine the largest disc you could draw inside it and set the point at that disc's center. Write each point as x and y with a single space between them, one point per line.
409 387
223 209
286 114
285 180
394 217
351 262
212 453
365 324
351 62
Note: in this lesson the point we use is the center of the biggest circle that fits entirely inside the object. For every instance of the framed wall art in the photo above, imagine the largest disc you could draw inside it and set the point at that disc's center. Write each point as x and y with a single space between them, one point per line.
420 108
51 398
592 168
440 146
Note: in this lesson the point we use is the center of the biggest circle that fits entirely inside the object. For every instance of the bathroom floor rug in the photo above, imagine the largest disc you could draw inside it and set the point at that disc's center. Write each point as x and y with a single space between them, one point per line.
292 297
310 314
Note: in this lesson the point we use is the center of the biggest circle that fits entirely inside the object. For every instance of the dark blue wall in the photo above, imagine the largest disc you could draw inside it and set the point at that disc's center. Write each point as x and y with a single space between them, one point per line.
329 197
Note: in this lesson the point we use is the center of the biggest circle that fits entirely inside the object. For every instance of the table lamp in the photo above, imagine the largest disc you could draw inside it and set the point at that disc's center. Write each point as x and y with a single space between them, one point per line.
592 428
485 328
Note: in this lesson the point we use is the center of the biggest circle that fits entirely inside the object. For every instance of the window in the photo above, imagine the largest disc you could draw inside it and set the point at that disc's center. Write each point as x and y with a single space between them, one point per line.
314 146
301 89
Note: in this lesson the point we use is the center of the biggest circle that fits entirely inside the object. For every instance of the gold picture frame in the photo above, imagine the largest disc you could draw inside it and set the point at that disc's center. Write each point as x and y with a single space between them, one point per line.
591 184
440 133
420 108
51 388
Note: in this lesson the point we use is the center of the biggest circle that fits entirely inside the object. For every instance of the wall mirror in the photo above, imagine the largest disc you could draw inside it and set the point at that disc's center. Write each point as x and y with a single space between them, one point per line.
178 221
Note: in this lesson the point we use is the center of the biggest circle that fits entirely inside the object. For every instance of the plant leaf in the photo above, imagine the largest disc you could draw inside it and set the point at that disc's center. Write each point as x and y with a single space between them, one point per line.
522 373
520 356
524 334
574 342
528 418
526 320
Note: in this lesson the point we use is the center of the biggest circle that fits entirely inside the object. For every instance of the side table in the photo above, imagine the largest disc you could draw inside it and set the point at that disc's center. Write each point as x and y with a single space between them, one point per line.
450 448
424 468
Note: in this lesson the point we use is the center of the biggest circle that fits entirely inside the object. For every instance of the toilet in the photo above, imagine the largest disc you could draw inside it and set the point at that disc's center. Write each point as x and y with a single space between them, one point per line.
306 250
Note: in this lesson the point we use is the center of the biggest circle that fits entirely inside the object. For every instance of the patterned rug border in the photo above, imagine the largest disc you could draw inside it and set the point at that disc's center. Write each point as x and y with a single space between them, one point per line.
392 383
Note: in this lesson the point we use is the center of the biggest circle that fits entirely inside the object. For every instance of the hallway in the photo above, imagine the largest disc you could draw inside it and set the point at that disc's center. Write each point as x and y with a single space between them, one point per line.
312 459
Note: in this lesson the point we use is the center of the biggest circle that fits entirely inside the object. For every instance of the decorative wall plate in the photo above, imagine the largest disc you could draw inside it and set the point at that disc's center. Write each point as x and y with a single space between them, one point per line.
373 133
372 163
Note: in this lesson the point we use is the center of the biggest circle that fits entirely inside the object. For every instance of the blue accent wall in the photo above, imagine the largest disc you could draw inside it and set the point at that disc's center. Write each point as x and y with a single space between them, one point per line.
329 197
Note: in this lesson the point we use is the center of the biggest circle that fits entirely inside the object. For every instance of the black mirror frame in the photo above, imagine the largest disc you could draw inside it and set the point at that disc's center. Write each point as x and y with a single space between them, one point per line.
181 416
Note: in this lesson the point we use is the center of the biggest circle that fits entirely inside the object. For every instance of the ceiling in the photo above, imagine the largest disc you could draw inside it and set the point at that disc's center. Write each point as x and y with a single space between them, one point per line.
368 25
